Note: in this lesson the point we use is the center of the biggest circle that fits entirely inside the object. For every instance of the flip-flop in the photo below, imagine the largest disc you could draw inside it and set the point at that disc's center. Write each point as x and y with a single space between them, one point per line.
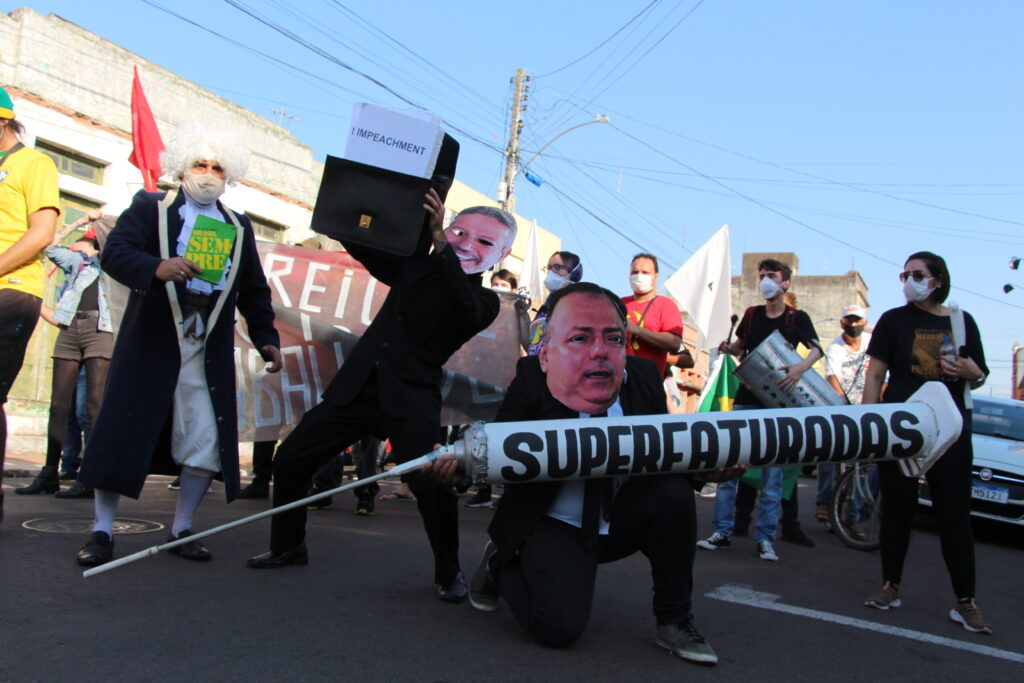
395 496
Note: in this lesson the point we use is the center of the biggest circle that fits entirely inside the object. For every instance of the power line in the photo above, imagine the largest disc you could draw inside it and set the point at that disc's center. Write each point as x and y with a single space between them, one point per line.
789 218
603 42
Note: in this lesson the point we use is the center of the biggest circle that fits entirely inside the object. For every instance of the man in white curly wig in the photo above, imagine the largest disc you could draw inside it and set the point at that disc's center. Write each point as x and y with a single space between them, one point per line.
170 399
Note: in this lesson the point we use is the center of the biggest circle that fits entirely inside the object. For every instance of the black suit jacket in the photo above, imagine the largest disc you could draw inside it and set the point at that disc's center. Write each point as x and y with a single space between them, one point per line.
528 398
431 310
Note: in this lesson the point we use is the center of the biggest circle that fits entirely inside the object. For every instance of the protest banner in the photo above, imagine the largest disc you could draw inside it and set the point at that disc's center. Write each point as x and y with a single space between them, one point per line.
323 301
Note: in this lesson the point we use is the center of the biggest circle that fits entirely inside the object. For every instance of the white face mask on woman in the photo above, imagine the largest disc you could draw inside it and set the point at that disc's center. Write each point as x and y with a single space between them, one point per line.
916 291
501 288
204 188
554 282
769 287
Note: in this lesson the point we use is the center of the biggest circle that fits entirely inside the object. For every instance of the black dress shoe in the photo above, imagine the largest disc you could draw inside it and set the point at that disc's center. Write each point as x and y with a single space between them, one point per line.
98 550
77 490
456 591
193 550
255 489
276 560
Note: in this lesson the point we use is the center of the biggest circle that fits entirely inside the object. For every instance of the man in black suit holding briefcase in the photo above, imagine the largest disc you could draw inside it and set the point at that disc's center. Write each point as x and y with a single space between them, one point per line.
390 384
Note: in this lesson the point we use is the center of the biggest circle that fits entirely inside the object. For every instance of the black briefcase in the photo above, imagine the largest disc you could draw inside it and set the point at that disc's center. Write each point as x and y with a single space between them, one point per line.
377 208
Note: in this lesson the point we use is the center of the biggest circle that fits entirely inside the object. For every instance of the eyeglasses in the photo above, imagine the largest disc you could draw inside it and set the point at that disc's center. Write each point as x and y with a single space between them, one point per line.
918 275
558 268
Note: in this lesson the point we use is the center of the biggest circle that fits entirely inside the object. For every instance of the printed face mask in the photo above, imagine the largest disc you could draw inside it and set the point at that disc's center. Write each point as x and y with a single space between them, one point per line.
204 188
641 282
769 288
916 291
554 282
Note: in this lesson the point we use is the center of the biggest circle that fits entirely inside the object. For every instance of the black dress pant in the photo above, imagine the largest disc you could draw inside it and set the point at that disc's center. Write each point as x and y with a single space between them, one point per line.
324 432
549 584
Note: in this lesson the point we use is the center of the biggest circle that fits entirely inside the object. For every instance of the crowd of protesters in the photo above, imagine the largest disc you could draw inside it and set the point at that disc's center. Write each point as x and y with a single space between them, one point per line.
385 400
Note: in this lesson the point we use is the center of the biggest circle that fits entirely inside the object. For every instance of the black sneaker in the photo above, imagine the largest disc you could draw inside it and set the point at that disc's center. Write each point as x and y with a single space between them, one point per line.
364 507
455 591
483 589
175 485
714 542
322 504
683 640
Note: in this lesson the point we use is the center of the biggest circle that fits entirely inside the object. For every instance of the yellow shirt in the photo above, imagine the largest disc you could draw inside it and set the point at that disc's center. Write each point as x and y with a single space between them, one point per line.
28 183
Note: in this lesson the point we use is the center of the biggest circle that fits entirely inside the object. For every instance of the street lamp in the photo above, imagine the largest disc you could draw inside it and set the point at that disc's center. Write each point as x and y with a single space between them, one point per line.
506 188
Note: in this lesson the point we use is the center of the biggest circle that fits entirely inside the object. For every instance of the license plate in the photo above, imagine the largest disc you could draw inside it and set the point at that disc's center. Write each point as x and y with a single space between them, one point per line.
991 493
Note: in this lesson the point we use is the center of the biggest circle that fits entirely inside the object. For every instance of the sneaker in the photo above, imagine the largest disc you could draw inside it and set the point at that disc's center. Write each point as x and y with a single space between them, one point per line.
766 552
967 615
821 515
322 504
483 589
714 541
175 485
480 499
855 531
683 640
886 598
364 507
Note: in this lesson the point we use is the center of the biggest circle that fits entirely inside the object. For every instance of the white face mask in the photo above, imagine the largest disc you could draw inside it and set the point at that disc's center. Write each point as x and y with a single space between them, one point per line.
204 188
501 288
554 282
641 282
769 288
916 291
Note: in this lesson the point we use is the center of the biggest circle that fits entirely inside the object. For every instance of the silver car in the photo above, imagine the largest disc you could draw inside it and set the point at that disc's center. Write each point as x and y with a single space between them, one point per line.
997 486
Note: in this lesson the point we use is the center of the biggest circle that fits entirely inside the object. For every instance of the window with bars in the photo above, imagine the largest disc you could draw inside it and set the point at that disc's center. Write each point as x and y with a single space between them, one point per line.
71 163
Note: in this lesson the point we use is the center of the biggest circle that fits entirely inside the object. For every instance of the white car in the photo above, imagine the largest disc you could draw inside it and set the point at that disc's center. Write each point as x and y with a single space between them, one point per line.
997 485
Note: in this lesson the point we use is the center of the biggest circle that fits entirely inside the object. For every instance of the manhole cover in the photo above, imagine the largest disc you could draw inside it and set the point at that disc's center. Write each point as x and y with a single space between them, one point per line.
83 525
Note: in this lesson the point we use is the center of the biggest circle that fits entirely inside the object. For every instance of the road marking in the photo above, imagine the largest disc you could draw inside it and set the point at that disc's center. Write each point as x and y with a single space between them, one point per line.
745 595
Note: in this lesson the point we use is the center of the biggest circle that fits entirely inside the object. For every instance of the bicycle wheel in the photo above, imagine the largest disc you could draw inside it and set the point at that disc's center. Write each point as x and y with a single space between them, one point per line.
855 511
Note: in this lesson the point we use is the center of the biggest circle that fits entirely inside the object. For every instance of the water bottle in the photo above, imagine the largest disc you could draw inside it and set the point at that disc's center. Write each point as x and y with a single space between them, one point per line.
948 352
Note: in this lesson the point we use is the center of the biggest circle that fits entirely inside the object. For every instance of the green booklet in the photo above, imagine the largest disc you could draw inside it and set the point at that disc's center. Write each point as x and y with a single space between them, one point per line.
210 246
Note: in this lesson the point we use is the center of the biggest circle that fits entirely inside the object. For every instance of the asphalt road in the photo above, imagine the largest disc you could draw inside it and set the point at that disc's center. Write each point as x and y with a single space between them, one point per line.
364 608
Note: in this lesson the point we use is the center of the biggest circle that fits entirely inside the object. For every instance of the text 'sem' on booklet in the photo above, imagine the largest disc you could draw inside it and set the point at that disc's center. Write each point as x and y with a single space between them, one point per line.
210 246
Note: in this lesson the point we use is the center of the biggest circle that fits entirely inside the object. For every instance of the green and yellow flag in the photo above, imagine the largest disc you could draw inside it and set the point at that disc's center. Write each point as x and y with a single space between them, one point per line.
722 386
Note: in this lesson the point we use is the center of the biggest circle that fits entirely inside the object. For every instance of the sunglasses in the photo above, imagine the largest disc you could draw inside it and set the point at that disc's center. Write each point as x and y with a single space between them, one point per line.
918 275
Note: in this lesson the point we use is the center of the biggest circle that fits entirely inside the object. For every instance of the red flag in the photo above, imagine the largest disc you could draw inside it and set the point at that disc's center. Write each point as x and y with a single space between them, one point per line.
146 141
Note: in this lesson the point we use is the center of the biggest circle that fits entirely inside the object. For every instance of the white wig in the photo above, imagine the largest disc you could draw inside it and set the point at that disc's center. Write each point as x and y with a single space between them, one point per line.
193 141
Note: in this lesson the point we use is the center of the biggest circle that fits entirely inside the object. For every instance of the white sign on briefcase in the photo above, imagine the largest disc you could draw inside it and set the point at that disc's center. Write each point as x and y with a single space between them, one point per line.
402 140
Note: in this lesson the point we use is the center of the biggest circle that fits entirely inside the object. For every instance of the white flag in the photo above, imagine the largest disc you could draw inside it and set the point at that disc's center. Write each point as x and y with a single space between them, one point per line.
702 288
531 279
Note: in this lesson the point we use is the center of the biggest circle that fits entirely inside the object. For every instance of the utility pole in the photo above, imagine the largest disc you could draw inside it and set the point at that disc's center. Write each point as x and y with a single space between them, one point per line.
506 188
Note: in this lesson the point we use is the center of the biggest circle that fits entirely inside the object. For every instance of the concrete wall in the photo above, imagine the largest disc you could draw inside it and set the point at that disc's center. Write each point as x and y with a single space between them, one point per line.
74 69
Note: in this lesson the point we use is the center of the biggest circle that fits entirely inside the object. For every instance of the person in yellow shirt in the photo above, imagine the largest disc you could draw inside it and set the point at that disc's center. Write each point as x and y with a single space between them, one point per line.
29 206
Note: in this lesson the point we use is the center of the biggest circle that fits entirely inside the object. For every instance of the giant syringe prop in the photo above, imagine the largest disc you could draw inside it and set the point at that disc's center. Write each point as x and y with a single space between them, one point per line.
915 433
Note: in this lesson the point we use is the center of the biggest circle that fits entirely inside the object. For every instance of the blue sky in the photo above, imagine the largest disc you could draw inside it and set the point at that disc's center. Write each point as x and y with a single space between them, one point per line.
850 133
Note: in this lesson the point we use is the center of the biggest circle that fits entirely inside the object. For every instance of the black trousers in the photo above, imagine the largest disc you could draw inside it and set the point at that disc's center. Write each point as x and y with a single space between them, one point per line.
949 482
324 432
549 585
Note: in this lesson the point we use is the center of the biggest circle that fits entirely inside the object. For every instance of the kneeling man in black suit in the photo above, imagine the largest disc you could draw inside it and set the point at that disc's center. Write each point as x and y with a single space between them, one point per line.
548 538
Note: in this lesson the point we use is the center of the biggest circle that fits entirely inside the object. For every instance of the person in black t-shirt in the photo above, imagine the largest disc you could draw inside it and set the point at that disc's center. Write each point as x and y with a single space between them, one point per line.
758 322
905 343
